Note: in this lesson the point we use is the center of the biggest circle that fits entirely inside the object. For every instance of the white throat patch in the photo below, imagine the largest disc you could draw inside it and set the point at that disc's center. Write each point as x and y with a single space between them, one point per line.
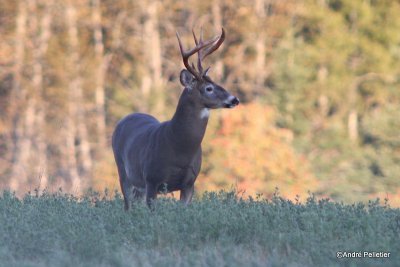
204 113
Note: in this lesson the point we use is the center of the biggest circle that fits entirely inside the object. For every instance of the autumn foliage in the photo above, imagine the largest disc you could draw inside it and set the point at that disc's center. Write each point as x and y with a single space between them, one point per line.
244 149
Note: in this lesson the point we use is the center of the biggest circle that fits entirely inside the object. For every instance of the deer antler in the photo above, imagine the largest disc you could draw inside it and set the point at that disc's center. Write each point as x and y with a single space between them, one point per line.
210 46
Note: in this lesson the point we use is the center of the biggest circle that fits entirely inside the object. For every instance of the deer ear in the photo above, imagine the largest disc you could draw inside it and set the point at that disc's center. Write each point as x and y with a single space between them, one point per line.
186 78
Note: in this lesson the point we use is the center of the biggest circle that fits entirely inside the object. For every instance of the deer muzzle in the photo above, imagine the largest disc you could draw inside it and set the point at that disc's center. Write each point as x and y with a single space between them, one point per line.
232 101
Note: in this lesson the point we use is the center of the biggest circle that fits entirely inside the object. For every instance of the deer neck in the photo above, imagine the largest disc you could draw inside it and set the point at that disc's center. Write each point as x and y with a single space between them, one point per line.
189 123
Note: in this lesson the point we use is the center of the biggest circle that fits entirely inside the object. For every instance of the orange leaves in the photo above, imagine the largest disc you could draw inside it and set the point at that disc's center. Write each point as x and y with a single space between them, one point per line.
247 150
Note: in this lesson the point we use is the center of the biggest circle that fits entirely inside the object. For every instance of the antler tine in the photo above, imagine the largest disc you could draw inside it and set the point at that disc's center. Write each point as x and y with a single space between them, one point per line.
214 47
199 67
195 38
199 54
187 54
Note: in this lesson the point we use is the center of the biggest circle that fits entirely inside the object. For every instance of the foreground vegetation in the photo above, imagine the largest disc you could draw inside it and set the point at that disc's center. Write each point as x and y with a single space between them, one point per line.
216 230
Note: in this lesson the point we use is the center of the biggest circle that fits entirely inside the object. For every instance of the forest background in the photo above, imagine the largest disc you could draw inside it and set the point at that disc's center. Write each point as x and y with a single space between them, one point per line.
319 81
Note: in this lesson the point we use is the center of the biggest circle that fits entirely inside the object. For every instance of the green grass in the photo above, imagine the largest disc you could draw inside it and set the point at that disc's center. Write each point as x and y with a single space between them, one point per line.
218 229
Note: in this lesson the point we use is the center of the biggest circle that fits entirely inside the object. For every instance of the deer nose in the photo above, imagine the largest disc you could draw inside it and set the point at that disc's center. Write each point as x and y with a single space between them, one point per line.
232 102
235 101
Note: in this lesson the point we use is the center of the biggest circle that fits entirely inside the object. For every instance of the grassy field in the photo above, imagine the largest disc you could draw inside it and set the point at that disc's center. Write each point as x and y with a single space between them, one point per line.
216 230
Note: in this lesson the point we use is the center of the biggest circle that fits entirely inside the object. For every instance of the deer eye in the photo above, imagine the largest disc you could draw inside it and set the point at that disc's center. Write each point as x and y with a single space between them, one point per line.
209 89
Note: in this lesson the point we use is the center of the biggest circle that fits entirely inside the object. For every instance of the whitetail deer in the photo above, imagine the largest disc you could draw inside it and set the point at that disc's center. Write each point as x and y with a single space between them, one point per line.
153 157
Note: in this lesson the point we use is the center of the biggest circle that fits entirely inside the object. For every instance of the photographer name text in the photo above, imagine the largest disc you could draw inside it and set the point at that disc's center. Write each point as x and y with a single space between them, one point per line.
362 254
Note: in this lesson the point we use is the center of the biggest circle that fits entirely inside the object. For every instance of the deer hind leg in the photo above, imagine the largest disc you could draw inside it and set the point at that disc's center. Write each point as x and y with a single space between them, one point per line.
127 191
187 194
132 194
126 187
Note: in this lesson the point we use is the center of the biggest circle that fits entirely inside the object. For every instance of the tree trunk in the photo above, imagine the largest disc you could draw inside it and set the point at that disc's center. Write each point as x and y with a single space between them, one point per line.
152 49
323 101
352 120
352 125
40 49
76 102
24 161
18 174
70 150
323 105
102 64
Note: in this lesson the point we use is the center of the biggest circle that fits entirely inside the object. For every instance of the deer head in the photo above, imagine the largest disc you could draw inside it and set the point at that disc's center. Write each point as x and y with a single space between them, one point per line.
207 93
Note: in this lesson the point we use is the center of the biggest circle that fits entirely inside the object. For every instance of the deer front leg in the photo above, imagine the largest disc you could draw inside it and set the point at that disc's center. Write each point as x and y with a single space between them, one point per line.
151 194
187 194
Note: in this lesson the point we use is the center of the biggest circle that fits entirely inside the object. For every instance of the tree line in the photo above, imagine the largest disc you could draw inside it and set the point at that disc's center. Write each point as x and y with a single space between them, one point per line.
319 80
